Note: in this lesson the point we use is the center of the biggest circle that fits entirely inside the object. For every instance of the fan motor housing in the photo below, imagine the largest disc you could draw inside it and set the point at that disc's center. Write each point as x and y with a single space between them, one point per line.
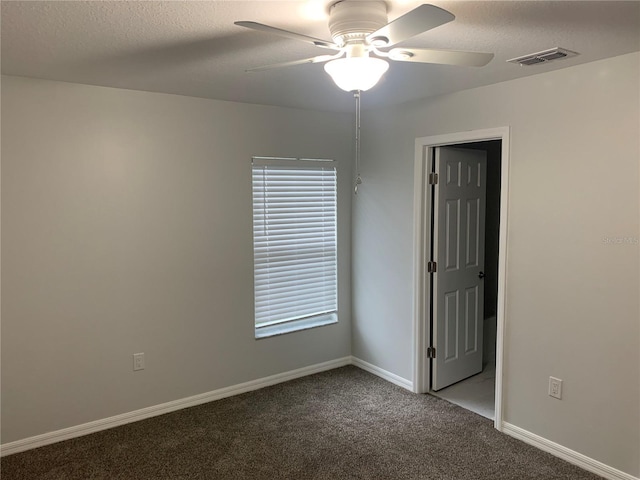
352 20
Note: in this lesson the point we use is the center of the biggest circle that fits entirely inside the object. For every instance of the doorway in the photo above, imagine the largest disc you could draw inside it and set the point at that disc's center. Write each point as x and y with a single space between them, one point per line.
471 386
477 379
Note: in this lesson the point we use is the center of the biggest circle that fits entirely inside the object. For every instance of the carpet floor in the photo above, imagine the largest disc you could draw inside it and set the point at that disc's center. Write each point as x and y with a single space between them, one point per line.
340 424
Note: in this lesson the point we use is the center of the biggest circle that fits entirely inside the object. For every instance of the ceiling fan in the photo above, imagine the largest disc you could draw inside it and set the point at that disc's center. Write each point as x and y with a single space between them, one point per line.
362 39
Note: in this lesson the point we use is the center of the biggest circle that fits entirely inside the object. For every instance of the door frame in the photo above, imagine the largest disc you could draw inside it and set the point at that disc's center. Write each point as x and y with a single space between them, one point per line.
424 147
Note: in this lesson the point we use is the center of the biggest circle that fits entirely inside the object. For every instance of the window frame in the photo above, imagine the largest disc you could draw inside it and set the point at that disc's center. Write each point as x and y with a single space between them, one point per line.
279 327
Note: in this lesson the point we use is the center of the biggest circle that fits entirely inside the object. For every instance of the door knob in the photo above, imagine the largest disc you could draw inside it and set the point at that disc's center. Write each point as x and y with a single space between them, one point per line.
481 275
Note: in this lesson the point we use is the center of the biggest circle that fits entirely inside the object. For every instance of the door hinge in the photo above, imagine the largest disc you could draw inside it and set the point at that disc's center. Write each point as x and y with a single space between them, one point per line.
432 267
433 179
431 352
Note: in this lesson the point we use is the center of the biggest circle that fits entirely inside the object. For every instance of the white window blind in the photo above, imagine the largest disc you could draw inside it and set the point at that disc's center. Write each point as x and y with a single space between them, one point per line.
294 238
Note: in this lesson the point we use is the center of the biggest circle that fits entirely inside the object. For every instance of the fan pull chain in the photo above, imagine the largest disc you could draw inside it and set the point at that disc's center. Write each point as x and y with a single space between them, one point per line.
358 178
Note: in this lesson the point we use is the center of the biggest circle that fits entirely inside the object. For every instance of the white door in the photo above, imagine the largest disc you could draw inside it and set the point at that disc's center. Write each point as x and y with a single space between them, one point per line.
458 286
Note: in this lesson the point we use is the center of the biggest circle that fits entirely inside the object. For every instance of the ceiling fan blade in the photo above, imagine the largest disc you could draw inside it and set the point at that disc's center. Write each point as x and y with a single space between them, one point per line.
443 57
417 21
318 59
285 33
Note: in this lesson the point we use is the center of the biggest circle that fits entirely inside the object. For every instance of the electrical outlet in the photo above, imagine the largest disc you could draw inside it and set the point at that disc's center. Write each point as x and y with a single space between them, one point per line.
555 388
138 361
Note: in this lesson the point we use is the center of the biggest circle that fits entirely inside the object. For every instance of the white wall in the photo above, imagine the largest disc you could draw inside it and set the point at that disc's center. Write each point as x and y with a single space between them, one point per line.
126 227
572 300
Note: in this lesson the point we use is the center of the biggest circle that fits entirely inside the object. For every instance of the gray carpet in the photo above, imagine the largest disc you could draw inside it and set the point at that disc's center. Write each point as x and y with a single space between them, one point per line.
341 424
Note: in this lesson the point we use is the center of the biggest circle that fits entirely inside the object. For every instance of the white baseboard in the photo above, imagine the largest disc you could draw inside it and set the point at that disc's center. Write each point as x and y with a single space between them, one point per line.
388 376
566 454
130 417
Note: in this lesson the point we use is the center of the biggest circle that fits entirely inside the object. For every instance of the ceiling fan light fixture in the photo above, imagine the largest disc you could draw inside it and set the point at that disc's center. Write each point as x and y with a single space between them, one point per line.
356 73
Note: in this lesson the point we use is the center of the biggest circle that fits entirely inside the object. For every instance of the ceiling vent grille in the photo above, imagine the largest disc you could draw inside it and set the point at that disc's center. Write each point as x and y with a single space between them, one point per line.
543 57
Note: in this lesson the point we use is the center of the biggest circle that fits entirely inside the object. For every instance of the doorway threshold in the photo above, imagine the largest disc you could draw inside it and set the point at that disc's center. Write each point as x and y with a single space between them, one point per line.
476 393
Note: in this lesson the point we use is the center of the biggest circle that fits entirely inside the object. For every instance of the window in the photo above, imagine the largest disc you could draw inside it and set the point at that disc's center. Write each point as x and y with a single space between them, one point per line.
294 244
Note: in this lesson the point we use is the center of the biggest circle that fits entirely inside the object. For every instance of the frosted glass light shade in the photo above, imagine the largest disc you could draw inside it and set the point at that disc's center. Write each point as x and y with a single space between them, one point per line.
356 73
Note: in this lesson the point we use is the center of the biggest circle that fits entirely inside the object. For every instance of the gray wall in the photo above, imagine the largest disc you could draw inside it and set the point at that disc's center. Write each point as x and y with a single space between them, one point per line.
126 227
572 297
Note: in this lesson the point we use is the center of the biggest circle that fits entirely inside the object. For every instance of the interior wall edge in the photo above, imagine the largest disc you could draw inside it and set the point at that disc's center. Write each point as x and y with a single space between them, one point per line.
382 373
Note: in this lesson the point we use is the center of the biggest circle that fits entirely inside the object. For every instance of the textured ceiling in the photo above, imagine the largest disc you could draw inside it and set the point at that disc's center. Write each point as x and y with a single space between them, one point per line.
193 48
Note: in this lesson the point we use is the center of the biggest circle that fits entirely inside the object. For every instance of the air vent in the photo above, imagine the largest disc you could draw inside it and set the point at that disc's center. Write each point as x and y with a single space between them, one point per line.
543 57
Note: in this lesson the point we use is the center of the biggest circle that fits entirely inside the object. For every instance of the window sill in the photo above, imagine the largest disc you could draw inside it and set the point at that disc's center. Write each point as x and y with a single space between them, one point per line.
296 326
